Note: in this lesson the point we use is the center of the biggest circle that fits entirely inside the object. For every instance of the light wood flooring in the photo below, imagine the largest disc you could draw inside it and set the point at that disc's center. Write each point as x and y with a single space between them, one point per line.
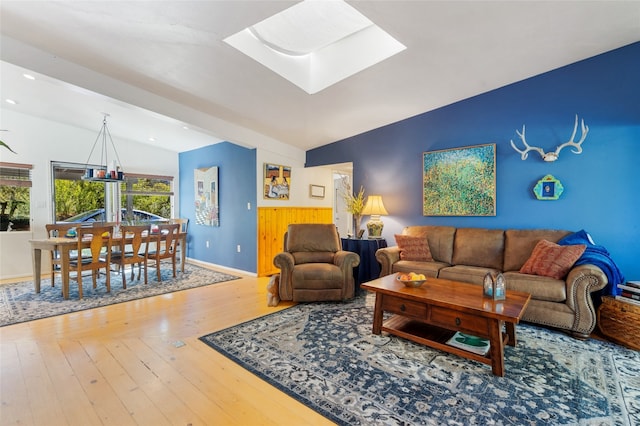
123 365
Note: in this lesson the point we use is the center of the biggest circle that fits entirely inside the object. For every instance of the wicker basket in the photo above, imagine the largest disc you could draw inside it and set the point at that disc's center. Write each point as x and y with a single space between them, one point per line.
620 321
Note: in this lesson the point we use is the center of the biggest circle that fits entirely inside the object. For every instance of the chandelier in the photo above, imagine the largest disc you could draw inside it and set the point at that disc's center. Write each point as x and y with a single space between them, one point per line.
109 167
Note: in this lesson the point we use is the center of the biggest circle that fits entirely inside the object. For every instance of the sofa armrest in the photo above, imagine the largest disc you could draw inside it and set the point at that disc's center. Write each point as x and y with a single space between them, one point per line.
284 261
387 257
581 282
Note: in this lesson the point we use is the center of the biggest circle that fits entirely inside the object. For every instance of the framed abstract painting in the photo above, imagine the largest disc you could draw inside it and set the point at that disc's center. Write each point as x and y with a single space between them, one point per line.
459 181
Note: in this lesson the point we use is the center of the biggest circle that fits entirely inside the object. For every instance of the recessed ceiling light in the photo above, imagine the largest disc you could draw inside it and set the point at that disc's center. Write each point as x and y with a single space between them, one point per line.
315 44
152 139
11 101
28 76
185 127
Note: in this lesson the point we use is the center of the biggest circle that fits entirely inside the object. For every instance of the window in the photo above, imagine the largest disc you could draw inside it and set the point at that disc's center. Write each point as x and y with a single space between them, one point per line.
15 197
142 198
144 194
72 195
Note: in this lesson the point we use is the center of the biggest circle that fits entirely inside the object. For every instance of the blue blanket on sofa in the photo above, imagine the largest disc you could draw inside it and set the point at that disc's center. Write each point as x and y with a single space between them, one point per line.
599 256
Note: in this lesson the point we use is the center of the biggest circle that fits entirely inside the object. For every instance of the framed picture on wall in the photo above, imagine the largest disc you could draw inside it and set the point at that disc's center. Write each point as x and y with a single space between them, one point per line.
277 182
459 181
548 188
316 191
206 196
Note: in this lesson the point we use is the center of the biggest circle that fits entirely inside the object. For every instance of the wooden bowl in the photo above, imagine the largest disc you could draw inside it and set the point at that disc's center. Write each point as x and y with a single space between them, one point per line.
411 283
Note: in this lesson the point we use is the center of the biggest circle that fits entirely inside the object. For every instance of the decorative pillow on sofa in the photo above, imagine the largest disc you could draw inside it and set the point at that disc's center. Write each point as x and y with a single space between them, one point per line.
552 260
413 248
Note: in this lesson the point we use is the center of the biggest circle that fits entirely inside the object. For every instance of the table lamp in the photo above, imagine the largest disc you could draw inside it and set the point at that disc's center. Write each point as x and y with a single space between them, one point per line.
374 208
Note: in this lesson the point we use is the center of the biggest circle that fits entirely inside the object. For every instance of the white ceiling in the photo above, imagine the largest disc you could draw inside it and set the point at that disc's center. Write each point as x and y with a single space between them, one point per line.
155 66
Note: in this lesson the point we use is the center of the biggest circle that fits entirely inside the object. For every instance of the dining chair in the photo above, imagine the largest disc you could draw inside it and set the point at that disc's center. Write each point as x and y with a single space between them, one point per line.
57 230
100 241
182 241
132 250
165 246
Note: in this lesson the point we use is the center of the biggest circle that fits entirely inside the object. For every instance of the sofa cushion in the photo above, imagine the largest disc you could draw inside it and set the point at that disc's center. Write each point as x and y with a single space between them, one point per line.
479 247
413 248
440 240
429 269
552 260
540 288
466 274
519 243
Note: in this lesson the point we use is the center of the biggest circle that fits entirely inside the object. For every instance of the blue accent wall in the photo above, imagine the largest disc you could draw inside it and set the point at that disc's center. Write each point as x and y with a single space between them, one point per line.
601 185
237 187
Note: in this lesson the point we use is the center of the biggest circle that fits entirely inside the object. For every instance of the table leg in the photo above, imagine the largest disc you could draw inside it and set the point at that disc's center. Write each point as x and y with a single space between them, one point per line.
497 348
36 259
511 332
377 314
64 259
183 251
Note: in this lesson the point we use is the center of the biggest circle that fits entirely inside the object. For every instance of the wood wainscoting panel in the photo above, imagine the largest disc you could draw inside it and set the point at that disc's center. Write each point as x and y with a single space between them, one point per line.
273 223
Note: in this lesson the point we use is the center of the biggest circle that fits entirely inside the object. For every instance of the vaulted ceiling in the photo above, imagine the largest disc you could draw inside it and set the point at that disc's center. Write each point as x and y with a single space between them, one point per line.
159 66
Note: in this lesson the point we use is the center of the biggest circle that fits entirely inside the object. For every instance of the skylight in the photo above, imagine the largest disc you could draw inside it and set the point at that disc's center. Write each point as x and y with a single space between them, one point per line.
316 43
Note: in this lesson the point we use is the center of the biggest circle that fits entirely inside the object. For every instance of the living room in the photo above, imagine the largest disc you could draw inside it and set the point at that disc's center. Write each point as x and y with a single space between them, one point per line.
600 195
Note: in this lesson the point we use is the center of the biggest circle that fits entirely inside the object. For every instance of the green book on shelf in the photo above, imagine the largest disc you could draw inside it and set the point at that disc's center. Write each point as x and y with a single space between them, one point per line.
477 345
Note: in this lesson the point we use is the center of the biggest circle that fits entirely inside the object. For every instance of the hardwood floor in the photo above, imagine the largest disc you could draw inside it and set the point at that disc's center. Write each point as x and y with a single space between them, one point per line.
141 363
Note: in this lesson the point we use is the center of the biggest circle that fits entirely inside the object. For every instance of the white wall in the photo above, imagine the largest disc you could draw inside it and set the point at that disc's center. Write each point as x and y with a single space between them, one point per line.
301 178
38 142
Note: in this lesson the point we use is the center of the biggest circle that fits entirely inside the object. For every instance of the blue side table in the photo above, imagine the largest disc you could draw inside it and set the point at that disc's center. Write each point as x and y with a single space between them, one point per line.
369 268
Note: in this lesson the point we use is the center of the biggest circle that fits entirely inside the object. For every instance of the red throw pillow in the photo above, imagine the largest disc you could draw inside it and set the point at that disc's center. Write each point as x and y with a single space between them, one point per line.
414 248
552 260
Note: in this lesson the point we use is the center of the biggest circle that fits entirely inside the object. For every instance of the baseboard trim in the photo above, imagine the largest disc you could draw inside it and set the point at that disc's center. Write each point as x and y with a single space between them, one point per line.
220 267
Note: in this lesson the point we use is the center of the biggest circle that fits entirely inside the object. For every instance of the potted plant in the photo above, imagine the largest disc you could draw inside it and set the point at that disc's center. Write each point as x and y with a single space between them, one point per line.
354 205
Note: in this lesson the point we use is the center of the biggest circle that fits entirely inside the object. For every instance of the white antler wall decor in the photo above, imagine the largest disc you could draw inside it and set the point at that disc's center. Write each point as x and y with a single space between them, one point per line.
553 156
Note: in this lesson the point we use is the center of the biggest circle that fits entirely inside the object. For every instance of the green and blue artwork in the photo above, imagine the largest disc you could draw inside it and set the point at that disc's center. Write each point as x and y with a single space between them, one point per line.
460 181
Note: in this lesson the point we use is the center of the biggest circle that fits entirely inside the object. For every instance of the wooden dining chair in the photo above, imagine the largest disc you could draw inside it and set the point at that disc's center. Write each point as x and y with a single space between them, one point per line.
57 230
182 241
99 239
133 250
165 246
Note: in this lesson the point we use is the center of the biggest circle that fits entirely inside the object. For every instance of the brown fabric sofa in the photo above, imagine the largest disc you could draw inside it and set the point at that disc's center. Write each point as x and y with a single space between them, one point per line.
313 266
467 254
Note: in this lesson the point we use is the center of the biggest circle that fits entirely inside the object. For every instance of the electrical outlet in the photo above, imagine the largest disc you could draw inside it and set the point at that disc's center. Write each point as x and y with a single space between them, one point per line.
207 243
248 206
238 248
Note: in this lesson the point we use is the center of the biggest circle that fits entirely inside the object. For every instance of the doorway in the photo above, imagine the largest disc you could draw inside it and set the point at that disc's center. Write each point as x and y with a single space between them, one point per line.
342 183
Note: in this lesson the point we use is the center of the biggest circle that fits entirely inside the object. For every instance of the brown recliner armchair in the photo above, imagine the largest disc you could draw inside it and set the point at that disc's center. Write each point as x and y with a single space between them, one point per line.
313 266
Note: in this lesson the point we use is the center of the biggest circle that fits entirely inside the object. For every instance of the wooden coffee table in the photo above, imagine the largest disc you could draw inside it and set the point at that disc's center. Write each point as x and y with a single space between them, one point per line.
432 313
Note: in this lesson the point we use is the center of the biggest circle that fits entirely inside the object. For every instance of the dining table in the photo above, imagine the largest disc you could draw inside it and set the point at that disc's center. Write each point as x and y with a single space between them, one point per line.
64 245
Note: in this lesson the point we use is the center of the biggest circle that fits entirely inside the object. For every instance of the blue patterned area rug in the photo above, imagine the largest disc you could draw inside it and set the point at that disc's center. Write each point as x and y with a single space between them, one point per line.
19 302
324 355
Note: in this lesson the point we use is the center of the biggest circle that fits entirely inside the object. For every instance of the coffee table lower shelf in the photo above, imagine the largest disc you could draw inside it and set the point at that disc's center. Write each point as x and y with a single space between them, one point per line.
432 336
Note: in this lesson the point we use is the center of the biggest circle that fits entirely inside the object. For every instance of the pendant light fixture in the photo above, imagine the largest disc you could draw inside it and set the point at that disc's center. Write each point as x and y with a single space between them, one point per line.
110 167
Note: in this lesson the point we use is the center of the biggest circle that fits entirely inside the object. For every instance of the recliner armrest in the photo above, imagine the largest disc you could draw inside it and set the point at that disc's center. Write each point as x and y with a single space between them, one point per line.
285 262
347 259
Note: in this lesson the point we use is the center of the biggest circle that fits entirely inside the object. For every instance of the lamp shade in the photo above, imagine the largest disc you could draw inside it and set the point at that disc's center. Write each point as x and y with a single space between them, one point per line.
374 206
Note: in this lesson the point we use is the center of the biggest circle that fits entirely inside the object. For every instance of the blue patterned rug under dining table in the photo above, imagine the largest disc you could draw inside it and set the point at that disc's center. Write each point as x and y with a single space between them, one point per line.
19 301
